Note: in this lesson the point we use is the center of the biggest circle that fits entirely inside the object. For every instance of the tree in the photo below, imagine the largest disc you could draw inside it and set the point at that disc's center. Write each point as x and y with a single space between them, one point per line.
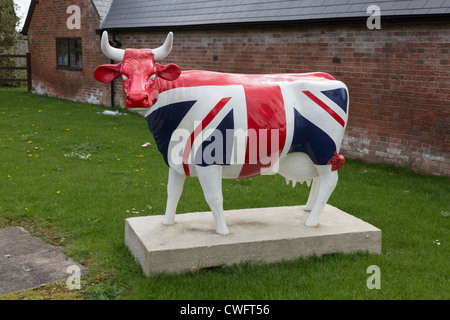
8 37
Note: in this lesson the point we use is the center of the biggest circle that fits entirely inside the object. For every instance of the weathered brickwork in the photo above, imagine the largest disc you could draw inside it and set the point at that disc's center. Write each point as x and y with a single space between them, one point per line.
398 76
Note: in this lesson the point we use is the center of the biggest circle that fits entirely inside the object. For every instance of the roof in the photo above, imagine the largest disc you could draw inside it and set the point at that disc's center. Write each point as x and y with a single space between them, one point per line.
28 18
179 13
102 7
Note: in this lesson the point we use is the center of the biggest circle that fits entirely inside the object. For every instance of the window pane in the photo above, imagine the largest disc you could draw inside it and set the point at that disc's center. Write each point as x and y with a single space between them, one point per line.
62 52
75 53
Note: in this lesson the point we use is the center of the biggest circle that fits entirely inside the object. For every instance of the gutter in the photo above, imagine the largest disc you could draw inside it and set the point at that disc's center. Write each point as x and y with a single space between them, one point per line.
356 20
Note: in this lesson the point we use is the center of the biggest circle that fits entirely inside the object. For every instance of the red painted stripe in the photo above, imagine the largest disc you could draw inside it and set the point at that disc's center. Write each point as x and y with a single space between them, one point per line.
265 111
207 120
325 107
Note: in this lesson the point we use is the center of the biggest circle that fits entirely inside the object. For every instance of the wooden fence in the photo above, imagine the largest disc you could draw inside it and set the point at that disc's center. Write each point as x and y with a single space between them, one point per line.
28 68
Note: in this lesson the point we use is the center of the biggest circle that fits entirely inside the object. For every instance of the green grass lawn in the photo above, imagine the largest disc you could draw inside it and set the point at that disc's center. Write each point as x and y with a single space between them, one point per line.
71 175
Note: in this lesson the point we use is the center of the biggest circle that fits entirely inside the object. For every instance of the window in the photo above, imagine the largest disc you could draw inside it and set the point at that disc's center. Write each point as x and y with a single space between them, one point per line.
68 53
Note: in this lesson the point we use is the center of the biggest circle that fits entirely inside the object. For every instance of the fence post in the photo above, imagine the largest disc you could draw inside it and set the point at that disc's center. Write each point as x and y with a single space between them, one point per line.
29 71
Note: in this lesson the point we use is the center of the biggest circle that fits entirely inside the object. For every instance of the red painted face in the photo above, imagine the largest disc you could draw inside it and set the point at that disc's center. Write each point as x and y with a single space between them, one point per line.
139 72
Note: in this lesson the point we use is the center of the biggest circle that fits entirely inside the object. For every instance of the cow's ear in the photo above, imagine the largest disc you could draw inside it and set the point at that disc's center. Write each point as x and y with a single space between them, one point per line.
168 72
107 72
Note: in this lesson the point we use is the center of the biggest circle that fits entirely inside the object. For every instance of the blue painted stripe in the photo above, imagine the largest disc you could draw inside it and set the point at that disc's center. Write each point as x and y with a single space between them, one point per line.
338 96
163 122
312 140
217 148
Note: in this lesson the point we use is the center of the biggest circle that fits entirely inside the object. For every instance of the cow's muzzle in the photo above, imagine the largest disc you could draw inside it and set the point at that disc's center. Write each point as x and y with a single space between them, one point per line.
138 100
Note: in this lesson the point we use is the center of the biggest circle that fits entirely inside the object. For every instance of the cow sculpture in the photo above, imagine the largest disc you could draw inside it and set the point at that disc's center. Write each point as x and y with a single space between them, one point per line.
219 125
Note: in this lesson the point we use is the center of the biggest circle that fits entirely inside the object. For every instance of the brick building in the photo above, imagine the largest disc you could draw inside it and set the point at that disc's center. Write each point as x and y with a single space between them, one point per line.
62 59
398 76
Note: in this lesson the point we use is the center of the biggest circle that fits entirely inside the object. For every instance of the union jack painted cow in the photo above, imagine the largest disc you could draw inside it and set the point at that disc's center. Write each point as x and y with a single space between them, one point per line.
218 125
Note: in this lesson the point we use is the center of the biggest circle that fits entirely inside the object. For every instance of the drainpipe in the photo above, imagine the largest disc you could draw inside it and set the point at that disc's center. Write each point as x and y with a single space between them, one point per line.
115 44
112 90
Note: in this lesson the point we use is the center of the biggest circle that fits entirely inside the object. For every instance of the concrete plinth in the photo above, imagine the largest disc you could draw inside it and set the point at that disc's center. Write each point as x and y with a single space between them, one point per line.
259 235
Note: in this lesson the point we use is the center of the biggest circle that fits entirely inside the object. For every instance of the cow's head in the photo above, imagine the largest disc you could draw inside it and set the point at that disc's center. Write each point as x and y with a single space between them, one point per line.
139 71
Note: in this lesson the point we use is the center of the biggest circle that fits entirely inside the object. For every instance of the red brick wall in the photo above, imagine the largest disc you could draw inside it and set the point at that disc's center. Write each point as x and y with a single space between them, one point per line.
49 22
398 78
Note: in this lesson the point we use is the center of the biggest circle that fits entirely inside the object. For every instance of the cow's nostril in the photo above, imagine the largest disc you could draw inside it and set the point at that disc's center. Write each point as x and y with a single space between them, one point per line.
137 99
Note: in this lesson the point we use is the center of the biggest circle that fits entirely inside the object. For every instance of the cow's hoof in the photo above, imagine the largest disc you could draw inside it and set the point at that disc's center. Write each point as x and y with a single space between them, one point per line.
168 222
222 231
311 223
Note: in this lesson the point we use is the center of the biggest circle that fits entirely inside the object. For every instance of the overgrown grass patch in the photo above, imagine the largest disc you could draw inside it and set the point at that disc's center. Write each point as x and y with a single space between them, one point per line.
71 175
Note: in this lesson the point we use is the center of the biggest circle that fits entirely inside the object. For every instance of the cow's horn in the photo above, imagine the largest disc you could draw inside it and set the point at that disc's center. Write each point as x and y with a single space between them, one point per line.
111 52
163 51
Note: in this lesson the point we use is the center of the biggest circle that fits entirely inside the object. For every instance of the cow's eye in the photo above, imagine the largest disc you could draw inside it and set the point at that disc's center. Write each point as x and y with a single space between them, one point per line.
124 77
153 76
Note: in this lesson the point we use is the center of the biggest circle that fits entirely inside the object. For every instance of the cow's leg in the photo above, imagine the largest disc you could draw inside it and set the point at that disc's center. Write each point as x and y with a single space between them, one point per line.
328 181
312 194
211 181
174 189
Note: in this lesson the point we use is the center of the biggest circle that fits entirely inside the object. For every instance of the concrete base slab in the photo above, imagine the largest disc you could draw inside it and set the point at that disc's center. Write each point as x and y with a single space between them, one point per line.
27 262
258 235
